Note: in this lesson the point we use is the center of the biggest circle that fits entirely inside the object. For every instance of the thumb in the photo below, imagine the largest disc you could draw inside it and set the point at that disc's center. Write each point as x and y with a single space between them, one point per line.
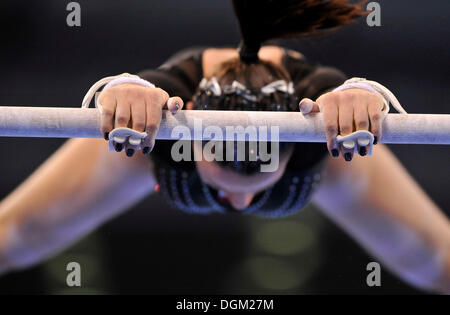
308 106
174 104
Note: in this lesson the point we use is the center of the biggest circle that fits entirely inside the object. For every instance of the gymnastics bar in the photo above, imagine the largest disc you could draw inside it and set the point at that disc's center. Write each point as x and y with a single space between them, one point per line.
51 122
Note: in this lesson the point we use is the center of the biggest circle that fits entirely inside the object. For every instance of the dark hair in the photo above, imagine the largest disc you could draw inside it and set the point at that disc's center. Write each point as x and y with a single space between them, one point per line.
262 20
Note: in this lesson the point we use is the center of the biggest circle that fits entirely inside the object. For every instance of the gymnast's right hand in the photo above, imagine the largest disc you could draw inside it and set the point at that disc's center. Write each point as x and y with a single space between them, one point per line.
136 107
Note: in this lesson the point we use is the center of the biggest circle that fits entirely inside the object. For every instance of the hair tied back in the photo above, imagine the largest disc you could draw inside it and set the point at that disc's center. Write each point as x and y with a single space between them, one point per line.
249 53
263 20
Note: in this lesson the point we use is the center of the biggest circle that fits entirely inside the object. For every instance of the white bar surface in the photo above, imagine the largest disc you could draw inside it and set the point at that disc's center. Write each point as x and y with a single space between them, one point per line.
52 122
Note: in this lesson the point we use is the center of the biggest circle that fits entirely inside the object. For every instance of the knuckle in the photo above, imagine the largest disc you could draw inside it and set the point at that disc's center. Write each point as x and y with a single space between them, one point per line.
162 92
376 117
122 119
161 96
362 124
346 129
331 129
139 125
107 113
151 128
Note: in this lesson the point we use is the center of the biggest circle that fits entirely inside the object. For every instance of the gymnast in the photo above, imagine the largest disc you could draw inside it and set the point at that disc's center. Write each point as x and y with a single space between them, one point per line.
370 196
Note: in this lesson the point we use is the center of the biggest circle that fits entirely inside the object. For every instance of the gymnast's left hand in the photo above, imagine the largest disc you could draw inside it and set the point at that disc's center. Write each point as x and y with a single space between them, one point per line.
345 112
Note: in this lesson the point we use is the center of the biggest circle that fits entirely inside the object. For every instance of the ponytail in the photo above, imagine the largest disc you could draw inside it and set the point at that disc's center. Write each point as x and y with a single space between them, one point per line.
262 20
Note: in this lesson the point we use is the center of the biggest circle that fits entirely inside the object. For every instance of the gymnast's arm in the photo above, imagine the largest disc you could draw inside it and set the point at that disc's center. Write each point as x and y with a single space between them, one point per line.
83 184
79 187
377 202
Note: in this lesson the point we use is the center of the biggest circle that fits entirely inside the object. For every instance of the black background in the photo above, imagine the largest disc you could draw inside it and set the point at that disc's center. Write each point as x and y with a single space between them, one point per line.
155 249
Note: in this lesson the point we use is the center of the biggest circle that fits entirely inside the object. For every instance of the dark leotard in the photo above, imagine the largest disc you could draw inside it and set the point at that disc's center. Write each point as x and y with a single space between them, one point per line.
182 73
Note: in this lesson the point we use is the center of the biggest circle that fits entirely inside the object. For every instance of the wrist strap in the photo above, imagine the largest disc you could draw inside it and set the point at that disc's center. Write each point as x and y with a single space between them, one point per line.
374 87
110 82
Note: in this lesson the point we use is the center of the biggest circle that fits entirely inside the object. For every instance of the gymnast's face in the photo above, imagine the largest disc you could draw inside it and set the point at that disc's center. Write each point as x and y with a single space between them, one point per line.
239 189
